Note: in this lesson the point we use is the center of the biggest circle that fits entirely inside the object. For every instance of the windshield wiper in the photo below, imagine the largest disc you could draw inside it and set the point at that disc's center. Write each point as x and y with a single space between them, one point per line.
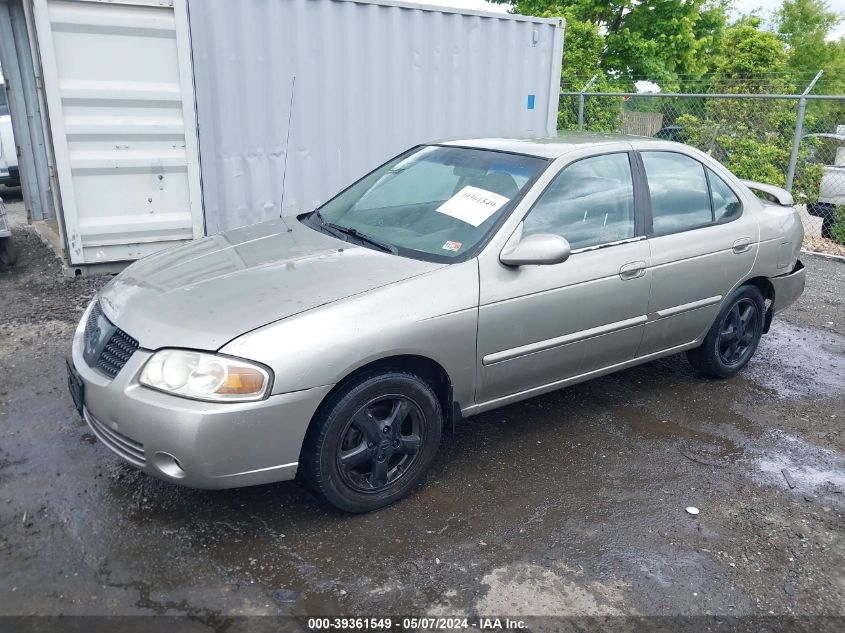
355 233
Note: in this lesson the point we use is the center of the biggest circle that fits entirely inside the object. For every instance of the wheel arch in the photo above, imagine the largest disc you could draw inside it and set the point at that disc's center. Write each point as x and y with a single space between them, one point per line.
427 369
767 289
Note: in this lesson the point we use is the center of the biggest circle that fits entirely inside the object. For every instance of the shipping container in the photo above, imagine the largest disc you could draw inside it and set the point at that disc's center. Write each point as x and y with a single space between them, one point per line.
172 119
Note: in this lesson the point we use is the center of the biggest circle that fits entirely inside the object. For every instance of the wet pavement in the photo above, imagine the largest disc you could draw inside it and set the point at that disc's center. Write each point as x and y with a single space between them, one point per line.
571 503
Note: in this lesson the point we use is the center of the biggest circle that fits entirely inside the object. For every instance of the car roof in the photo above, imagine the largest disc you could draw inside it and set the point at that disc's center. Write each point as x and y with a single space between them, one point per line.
553 146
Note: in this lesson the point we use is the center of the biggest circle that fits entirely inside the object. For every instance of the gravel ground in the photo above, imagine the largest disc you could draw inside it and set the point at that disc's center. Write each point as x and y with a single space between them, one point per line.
823 245
570 504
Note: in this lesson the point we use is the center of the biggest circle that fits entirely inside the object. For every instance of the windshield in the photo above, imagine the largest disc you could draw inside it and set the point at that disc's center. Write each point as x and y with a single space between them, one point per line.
434 202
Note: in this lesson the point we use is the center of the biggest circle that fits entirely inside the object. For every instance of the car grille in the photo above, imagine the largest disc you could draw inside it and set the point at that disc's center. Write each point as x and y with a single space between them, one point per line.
126 447
110 354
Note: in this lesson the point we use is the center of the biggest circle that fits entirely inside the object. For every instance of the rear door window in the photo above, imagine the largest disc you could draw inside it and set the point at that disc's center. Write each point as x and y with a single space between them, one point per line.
726 206
680 198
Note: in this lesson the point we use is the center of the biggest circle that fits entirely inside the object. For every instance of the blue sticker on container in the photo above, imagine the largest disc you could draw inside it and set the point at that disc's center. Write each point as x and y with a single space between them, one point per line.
530 102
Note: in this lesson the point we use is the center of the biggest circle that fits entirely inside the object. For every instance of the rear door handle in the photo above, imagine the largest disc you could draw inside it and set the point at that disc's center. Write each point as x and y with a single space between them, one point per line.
742 244
632 270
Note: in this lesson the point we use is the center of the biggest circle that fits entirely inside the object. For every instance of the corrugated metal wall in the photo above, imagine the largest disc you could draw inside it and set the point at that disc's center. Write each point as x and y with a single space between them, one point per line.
370 80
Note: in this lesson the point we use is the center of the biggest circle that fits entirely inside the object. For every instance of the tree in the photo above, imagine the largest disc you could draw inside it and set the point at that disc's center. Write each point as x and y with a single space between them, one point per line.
804 25
667 41
687 46
582 58
664 40
750 59
752 137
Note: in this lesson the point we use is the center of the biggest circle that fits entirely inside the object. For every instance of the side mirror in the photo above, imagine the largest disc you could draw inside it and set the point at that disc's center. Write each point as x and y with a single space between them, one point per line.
538 250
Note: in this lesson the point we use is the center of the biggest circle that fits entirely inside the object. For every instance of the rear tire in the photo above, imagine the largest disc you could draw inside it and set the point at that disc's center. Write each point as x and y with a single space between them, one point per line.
734 336
827 227
373 441
827 213
8 252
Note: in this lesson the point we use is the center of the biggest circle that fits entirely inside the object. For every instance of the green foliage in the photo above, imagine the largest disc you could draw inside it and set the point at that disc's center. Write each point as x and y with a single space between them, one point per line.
751 60
689 46
803 25
678 42
808 177
837 231
752 137
661 39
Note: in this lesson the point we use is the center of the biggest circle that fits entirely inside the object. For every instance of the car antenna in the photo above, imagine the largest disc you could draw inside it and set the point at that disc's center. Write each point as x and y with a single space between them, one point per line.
287 148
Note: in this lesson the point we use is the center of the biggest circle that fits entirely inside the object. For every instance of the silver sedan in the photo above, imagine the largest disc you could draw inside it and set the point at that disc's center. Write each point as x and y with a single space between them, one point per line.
454 279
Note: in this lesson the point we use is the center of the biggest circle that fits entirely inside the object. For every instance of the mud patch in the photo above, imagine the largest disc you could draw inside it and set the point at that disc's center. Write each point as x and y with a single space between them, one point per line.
525 590
798 362
813 470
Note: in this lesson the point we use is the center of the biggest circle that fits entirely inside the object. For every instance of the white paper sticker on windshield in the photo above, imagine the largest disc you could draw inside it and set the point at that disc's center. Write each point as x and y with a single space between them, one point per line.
473 205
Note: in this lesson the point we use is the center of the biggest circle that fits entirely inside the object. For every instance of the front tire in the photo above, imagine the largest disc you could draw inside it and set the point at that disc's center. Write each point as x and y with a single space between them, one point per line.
373 441
734 337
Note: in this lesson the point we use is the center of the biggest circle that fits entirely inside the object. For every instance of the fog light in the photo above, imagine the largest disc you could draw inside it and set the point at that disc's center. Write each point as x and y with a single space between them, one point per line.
169 465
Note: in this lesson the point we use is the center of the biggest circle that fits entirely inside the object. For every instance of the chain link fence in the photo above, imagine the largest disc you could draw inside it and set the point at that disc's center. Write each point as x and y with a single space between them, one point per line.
795 141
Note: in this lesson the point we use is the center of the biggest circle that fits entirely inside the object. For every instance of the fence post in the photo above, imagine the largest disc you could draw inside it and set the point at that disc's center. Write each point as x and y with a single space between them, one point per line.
799 132
581 102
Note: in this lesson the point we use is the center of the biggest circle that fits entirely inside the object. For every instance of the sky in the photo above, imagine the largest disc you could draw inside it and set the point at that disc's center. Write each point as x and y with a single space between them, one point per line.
480 5
767 6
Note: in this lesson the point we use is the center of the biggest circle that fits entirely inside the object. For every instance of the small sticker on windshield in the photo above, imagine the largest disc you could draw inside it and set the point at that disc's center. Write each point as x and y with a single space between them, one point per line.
452 246
473 205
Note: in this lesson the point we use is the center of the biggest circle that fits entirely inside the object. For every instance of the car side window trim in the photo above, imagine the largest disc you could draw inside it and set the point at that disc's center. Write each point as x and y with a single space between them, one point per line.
640 198
709 193
649 217
586 249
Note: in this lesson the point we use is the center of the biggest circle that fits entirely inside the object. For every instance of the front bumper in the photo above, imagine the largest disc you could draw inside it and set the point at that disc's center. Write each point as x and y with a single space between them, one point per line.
196 444
789 287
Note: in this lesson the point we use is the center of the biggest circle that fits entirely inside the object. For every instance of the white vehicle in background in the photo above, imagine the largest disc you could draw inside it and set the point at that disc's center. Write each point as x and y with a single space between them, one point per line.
830 152
9 174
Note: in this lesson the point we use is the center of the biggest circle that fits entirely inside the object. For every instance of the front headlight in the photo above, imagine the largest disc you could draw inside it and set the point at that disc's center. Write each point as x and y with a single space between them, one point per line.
205 376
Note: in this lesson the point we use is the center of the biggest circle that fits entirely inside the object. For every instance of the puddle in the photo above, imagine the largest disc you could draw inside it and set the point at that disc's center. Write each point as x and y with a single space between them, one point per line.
701 443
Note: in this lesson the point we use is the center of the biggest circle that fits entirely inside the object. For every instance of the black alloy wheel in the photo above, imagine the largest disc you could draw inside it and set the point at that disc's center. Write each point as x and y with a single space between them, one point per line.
380 443
734 336
737 332
372 441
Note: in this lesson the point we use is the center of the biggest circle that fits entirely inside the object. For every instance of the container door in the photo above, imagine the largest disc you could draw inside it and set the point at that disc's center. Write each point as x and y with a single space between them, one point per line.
119 89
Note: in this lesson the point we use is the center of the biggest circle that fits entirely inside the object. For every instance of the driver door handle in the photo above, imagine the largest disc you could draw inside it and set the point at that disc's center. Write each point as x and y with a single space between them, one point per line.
632 270
741 245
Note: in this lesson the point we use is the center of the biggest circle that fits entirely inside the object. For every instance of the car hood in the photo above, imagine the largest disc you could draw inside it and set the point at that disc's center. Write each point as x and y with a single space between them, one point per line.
204 294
